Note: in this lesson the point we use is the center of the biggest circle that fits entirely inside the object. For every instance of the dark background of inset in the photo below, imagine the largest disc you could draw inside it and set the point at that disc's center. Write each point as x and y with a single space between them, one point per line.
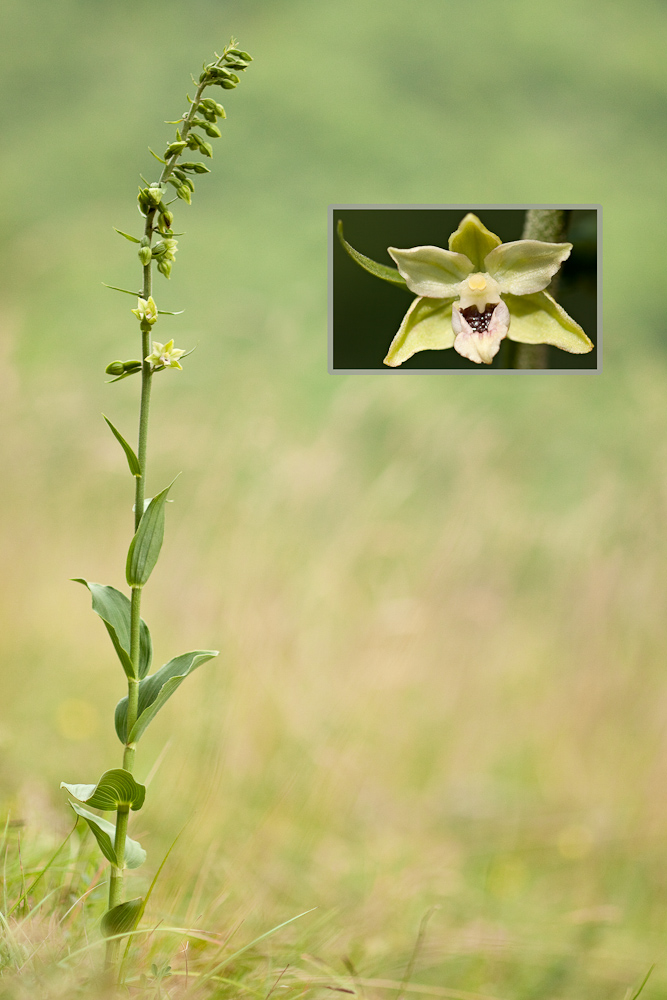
367 311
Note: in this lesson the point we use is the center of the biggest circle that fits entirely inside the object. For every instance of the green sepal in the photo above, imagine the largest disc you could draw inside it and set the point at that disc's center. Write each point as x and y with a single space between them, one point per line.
379 270
132 239
114 609
539 319
123 918
147 542
105 835
474 240
427 326
155 690
132 459
115 788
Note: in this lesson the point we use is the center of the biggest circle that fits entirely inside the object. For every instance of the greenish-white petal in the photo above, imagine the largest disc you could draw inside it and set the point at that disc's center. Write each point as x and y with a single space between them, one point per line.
432 271
474 240
426 326
539 319
525 266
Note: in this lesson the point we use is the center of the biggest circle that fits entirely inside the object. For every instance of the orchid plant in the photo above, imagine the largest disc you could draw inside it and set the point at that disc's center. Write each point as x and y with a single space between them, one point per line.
477 292
118 790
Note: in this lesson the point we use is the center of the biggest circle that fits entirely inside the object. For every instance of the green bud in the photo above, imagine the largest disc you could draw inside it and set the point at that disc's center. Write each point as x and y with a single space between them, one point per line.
206 148
181 174
159 249
174 147
196 168
145 242
213 131
210 116
115 368
145 255
145 203
165 221
164 266
184 194
215 109
222 73
154 194
240 53
226 84
240 66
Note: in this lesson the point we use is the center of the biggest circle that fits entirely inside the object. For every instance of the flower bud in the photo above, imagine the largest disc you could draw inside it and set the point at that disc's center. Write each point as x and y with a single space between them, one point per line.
196 168
206 148
174 147
145 255
164 266
226 84
115 368
166 218
240 53
213 131
159 249
184 193
154 194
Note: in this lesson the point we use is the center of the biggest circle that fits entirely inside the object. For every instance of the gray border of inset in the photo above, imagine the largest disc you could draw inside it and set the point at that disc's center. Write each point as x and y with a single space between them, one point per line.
467 207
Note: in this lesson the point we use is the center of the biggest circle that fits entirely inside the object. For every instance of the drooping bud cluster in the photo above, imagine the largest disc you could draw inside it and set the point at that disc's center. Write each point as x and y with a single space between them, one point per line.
201 120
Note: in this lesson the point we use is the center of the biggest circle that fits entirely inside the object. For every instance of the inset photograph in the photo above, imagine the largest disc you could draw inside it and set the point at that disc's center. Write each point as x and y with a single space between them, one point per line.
464 287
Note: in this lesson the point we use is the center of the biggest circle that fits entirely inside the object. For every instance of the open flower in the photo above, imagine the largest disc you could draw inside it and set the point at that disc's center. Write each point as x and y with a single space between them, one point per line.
165 356
146 311
476 293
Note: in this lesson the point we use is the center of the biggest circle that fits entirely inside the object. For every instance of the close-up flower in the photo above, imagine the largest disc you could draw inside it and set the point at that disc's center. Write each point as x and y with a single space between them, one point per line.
165 356
477 292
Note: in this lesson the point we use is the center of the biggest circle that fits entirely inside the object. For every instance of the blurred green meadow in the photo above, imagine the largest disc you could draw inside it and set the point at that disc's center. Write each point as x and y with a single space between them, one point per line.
439 599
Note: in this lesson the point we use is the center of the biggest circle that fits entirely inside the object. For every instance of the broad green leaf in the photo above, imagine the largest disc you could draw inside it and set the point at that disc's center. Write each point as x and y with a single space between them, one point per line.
115 788
147 542
539 319
123 918
427 326
132 459
105 834
432 271
379 270
114 610
156 689
473 239
132 239
526 266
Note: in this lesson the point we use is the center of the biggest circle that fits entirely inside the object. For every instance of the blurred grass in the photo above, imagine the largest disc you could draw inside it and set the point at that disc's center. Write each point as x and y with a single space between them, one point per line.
439 601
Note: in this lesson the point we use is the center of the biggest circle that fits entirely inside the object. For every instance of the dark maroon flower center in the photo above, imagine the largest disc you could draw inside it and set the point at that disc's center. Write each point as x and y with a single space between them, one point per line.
478 321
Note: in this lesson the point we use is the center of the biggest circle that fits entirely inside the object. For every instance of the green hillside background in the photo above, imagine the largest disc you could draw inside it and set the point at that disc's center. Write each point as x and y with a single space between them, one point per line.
439 597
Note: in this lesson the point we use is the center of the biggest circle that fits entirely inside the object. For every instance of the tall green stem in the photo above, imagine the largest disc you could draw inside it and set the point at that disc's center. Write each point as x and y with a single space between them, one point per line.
548 225
122 814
